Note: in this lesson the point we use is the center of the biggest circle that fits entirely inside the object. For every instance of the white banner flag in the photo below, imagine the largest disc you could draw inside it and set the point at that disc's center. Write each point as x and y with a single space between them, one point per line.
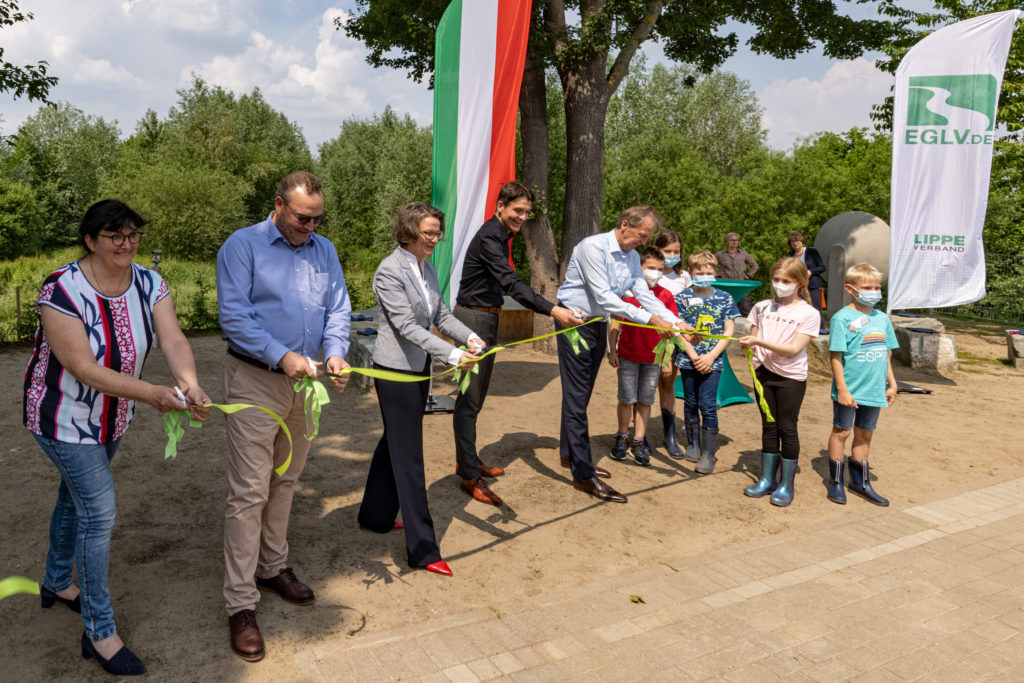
944 114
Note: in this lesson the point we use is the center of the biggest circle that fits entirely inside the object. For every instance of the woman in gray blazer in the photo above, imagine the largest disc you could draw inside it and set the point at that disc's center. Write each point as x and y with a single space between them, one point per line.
410 302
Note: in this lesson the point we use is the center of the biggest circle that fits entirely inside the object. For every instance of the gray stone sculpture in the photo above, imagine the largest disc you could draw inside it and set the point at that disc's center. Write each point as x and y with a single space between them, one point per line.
847 239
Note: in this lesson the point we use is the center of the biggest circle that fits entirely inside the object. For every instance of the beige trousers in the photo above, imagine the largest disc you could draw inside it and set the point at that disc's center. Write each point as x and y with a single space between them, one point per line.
259 501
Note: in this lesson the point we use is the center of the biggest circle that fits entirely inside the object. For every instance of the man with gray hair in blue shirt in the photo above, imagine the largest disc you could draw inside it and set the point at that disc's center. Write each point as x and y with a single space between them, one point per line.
281 297
602 269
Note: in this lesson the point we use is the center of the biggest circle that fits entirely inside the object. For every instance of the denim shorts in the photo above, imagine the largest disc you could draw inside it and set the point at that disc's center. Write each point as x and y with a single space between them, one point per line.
861 417
638 382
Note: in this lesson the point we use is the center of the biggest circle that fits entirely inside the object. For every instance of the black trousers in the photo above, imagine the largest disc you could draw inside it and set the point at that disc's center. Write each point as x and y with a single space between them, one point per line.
784 397
396 480
578 373
469 404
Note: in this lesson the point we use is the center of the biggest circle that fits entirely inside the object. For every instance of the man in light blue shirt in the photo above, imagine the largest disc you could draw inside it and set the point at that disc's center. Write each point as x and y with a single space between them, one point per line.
602 269
281 297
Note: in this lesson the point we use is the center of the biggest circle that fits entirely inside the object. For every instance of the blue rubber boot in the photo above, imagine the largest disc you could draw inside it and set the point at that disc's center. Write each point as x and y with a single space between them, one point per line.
769 470
783 495
709 445
692 440
836 481
860 483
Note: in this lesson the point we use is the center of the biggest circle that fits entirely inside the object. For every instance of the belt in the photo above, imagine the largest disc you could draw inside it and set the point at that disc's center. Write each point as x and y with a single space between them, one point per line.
253 361
485 309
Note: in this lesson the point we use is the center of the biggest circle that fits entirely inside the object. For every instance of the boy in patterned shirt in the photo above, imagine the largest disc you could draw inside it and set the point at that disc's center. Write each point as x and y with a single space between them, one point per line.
860 344
710 311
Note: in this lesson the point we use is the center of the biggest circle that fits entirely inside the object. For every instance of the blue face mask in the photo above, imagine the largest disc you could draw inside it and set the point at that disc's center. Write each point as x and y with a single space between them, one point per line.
703 281
868 298
671 261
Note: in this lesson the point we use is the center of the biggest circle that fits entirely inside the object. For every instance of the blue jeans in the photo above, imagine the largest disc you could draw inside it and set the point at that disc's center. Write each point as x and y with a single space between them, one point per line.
701 397
80 528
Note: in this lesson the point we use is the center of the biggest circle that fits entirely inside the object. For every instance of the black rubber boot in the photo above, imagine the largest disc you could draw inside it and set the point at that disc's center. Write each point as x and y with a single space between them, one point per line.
709 444
668 423
836 481
692 440
769 471
860 483
783 495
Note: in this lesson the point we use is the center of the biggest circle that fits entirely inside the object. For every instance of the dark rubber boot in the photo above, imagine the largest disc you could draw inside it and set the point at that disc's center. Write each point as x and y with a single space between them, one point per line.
769 471
709 444
783 495
692 440
668 423
836 481
860 483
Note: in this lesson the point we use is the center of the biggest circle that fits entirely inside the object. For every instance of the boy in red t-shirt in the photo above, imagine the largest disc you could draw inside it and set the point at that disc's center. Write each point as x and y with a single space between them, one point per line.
631 351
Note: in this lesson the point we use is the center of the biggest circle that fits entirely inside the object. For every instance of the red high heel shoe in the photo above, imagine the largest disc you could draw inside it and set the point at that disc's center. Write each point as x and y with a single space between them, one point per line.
398 525
439 567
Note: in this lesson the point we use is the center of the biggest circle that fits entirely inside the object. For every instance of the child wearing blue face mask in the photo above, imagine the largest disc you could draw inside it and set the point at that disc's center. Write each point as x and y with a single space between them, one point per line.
710 311
863 383
675 279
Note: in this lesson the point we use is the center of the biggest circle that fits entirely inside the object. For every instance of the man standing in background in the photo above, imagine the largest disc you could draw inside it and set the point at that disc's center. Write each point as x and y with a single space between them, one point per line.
736 264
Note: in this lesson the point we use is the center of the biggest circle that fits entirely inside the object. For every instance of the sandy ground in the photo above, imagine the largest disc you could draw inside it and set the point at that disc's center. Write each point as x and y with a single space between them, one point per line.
167 567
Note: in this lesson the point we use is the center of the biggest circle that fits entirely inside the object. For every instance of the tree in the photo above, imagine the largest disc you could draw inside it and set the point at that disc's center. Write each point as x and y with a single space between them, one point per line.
64 156
590 44
21 219
30 79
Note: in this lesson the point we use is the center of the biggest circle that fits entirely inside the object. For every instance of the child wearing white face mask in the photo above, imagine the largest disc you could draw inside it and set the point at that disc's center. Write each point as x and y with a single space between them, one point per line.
863 382
780 329
710 311
675 279
631 352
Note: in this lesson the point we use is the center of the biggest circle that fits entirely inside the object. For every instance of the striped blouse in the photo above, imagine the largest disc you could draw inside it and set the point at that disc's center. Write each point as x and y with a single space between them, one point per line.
120 332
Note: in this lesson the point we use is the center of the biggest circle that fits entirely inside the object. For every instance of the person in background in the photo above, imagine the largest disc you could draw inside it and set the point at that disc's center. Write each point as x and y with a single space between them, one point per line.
98 318
810 257
674 279
710 311
781 328
736 264
631 352
860 350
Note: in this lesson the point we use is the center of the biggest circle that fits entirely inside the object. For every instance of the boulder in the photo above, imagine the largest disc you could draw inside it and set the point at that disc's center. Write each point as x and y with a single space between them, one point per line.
360 350
926 323
1015 348
933 351
742 327
817 355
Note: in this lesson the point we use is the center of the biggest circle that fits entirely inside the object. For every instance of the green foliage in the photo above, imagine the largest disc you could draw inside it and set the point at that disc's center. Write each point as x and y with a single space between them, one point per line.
369 171
208 169
21 220
64 156
30 79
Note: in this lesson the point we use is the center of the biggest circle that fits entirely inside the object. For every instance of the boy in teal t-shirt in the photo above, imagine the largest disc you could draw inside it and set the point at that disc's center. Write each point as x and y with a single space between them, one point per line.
863 383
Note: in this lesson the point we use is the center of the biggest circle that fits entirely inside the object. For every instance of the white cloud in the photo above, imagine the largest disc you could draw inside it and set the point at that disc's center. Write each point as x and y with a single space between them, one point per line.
839 101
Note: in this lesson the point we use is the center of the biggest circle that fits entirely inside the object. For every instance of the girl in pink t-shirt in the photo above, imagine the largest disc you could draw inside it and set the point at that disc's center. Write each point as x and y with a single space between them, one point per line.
780 330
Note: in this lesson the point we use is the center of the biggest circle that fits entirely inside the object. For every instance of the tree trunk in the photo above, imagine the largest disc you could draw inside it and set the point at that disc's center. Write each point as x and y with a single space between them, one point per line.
540 239
586 106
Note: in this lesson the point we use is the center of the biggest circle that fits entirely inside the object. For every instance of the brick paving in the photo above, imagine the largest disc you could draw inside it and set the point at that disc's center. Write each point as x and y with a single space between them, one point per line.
933 591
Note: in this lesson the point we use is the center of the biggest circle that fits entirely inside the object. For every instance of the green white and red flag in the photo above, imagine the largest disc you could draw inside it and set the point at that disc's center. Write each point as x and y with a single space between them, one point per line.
480 50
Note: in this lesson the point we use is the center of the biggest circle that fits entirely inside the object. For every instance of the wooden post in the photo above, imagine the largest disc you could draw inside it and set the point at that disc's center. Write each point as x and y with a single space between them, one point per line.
17 313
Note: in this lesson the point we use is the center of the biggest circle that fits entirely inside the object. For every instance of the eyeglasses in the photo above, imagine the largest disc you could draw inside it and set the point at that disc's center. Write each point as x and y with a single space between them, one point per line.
302 219
118 238
431 236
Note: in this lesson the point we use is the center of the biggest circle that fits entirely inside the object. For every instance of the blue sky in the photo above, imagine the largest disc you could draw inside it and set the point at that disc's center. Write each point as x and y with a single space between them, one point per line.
116 58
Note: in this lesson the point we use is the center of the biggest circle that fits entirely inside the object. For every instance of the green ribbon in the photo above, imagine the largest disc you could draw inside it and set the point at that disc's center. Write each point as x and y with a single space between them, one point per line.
462 377
13 585
662 347
316 399
573 336
175 432
665 349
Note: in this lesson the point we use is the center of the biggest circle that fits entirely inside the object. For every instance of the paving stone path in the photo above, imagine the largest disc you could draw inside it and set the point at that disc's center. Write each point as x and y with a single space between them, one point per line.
934 591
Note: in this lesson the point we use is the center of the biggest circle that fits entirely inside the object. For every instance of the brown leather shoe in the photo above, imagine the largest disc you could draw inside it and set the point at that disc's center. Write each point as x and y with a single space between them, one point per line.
246 640
479 489
488 471
599 471
288 587
599 489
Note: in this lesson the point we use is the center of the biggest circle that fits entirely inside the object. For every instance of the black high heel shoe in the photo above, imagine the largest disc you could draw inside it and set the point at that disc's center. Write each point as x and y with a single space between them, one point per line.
123 663
48 597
